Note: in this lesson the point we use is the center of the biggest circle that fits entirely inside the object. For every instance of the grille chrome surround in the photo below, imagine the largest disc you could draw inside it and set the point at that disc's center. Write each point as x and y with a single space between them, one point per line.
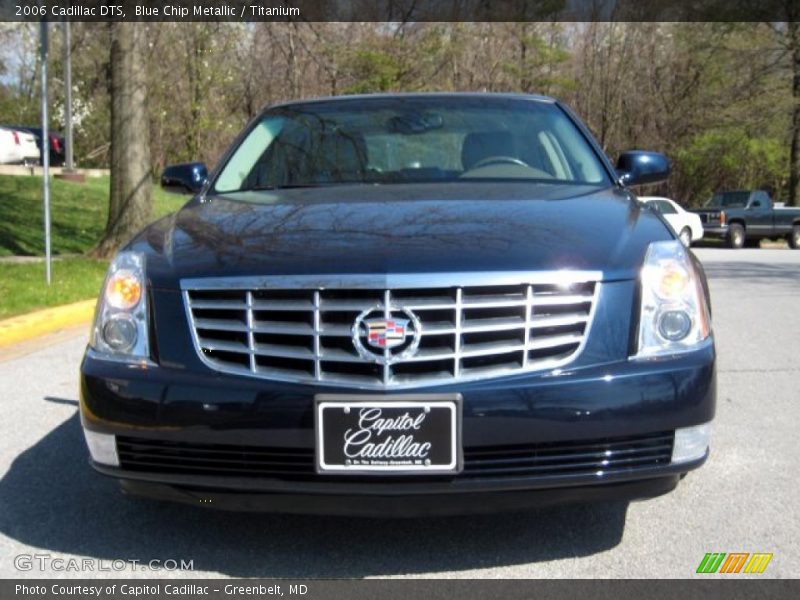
474 325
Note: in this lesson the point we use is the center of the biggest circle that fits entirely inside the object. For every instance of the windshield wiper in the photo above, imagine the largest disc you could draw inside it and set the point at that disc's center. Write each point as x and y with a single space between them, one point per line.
294 186
288 186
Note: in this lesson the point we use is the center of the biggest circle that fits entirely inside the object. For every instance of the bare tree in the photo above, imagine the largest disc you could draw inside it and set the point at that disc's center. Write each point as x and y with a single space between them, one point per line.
131 202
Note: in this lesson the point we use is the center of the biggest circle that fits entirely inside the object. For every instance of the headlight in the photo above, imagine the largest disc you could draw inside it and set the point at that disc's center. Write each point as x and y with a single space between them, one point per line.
120 327
674 315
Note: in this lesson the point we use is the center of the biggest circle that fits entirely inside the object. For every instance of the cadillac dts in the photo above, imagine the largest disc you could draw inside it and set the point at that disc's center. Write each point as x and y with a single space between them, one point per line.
404 305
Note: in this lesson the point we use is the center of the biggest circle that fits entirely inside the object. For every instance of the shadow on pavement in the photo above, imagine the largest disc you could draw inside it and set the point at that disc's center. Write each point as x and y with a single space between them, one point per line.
51 499
754 272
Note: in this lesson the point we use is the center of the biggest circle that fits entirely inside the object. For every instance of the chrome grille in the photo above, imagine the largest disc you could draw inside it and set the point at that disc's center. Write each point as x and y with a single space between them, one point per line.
302 331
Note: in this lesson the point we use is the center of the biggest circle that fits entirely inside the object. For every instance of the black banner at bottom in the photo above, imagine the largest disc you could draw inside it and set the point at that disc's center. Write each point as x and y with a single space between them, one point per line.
400 589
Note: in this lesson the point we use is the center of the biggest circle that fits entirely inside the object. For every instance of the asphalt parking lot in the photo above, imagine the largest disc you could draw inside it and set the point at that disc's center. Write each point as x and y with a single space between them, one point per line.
743 500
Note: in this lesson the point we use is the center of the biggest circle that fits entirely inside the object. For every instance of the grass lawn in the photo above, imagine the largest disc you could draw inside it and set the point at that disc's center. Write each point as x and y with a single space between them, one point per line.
22 286
79 213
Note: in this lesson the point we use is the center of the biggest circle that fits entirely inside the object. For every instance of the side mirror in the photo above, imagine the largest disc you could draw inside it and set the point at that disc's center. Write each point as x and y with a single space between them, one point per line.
756 204
186 178
636 167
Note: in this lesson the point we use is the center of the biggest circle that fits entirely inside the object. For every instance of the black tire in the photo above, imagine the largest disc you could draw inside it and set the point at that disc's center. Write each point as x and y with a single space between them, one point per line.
685 236
736 237
794 238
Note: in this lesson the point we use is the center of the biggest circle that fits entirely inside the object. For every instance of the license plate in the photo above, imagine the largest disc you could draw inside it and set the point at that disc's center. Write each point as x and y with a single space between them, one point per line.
380 435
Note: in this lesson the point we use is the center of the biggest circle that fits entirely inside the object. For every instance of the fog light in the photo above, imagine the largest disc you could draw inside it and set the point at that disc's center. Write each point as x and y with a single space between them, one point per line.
102 447
674 325
691 443
119 332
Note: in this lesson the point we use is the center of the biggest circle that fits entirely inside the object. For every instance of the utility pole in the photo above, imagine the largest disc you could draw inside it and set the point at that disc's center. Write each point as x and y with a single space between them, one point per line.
69 165
45 154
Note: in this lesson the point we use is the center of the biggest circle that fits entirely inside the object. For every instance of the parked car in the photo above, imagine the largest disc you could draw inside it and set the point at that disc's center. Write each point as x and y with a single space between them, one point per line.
746 217
687 225
17 147
404 304
56 144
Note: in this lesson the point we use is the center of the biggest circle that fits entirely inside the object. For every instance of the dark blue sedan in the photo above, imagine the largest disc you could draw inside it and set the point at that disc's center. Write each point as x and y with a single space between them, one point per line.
404 305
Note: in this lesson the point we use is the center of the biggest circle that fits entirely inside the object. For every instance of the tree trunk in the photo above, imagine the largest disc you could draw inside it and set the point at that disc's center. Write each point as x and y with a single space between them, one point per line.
794 155
131 202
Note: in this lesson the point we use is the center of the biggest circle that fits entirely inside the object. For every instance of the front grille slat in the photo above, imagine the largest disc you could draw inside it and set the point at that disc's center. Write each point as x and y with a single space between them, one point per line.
291 328
535 468
571 447
335 330
304 333
607 456
540 322
615 455
219 305
283 351
282 305
548 300
220 325
496 324
212 344
554 341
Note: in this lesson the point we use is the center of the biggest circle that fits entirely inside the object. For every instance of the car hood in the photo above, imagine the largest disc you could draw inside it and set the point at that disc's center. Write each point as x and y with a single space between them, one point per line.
420 228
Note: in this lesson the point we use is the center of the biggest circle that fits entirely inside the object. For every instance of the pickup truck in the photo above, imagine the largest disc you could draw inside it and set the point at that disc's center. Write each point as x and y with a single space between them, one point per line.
745 217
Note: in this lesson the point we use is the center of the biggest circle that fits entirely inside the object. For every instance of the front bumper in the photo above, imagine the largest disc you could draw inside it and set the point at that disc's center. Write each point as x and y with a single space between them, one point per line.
393 504
715 231
599 402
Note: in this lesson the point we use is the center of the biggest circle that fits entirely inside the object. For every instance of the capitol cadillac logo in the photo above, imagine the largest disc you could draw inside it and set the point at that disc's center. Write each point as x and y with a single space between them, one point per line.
390 335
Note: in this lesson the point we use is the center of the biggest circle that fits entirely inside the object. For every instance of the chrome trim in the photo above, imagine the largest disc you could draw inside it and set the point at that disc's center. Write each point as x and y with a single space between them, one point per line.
390 281
132 362
706 342
387 380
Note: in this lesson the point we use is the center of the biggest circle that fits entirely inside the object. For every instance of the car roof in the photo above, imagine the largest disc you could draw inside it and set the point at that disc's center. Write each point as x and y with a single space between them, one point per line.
357 97
34 129
651 198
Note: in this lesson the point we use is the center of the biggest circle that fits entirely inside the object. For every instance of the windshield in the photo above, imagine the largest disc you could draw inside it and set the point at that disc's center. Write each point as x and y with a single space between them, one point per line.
729 200
410 139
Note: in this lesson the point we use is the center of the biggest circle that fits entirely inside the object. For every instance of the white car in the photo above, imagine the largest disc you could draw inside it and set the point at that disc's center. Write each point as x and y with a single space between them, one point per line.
687 225
18 147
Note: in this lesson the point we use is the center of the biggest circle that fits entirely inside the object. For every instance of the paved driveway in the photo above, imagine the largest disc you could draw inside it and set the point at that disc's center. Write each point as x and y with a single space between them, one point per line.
745 498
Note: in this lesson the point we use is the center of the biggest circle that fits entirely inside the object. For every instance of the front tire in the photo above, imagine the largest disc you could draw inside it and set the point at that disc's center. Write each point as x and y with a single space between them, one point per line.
685 236
735 238
794 238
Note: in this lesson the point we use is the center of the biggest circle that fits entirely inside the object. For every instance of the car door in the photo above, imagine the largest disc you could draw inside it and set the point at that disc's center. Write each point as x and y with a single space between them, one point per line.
759 214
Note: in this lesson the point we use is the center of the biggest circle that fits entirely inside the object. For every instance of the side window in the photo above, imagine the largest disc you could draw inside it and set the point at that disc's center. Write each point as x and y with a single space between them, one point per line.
760 199
664 207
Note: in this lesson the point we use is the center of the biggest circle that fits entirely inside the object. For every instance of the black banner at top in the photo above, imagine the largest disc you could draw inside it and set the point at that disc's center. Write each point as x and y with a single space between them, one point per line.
400 10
